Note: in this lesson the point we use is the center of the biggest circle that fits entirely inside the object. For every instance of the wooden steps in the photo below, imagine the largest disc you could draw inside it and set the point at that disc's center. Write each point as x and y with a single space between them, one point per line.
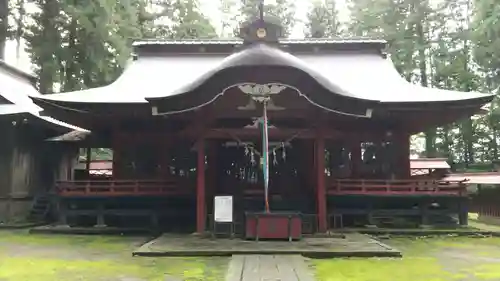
40 208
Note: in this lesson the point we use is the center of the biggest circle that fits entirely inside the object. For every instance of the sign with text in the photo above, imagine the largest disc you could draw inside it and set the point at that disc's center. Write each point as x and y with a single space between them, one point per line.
223 208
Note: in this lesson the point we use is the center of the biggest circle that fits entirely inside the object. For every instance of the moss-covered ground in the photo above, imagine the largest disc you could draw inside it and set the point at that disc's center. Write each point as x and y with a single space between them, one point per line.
425 259
71 257
30 257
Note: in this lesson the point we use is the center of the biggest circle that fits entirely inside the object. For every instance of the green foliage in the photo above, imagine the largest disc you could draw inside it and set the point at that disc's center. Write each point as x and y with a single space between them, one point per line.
281 11
322 21
486 26
75 45
4 26
96 154
180 19
81 44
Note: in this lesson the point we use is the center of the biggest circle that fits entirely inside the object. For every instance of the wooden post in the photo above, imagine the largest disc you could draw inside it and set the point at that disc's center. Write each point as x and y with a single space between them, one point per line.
404 155
424 212
165 160
320 182
311 149
200 187
463 211
355 149
88 160
116 156
211 173
310 162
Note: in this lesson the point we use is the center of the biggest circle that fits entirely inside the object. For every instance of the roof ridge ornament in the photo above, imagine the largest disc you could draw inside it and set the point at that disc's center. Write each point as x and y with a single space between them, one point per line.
261 30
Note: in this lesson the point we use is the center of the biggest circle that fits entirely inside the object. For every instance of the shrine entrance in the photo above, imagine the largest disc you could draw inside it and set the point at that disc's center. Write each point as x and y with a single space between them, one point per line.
239 173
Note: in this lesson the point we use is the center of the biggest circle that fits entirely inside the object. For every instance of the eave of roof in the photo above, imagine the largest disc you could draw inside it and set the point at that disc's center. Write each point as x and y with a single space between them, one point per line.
76 135
16 71
363 76
7 109
235 41
17 88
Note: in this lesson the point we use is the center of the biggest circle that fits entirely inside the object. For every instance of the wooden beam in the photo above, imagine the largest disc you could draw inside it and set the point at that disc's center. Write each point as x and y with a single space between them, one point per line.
273 133
281 114
225 133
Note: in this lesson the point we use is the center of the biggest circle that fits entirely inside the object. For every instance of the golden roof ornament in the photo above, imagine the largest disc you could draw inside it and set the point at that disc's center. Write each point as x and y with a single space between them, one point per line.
261 30
261 33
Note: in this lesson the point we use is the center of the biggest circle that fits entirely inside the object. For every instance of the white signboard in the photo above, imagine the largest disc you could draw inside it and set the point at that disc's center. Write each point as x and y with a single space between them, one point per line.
223 208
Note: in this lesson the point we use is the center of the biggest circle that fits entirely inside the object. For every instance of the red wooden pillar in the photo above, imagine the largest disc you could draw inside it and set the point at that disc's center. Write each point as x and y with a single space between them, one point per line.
211 178
320 182
200 187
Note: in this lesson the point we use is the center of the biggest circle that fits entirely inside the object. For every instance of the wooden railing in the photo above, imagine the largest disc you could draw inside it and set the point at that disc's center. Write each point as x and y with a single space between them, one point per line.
395 187
122 188
484 209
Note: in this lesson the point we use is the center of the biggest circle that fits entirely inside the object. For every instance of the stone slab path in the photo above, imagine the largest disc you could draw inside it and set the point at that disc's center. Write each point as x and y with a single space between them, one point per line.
353 245
268 268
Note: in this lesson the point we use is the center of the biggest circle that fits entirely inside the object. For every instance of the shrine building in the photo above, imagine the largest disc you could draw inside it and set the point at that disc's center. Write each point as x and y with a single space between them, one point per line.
185 123
29 164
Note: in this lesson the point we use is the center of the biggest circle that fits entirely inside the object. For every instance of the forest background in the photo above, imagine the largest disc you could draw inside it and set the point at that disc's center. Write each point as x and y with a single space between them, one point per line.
450 44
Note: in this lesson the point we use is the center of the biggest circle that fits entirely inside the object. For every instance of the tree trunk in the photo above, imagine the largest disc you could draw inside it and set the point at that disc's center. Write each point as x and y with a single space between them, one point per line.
430 134
70 79
447 142
20 28
467 126
50 10
4 26
495 145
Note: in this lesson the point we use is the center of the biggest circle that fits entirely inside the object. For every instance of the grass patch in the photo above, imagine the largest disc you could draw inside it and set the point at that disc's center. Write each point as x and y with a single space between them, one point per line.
72 257
41 269
414 269
424 259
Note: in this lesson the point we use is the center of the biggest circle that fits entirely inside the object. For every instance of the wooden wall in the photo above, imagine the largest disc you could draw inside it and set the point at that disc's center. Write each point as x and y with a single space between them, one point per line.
29 165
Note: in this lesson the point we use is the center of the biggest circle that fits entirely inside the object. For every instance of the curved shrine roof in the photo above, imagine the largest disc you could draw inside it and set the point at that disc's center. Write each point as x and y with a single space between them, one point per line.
16 88
356 74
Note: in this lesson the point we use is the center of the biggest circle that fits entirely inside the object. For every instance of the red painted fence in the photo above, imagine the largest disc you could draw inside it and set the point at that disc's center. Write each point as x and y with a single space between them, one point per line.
335 187
122 188
396 187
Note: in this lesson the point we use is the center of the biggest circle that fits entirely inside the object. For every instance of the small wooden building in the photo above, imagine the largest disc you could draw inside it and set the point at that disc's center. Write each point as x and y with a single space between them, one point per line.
28 164
183 123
